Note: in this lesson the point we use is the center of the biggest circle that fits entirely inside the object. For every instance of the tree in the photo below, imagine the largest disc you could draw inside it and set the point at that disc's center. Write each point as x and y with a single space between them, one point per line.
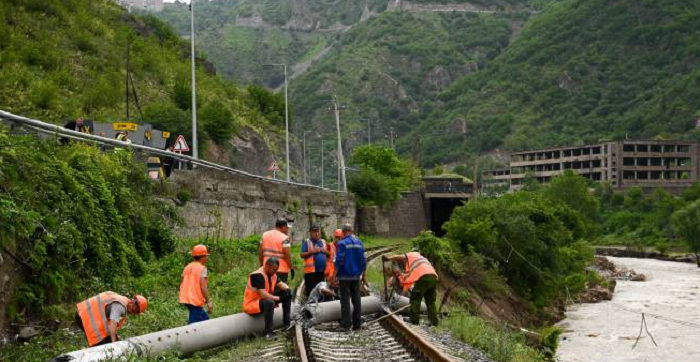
686 224
383 175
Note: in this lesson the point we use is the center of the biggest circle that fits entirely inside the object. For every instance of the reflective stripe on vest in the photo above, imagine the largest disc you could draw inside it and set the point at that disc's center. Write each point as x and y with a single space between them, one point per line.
272 246
93 315
330 261
309 263
251 297
416 267
191 287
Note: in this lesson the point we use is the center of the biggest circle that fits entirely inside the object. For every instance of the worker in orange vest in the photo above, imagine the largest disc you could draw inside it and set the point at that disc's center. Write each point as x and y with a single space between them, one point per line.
194 286
315 256
276 243
421 279
265 292
330 265
101 316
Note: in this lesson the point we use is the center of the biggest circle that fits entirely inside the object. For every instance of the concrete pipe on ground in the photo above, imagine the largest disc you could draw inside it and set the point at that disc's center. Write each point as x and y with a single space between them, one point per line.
209 334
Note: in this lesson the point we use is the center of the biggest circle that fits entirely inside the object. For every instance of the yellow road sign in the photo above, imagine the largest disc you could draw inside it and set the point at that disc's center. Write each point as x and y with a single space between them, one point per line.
123 126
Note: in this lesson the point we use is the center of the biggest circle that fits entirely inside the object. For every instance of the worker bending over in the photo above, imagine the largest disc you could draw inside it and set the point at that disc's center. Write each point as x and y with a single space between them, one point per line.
101 316
194 286
275 243
265 292
322 292
315 256
420 278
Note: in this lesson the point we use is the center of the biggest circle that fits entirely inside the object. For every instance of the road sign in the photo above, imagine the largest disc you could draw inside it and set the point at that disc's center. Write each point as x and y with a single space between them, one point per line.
181 145
124 126
273 166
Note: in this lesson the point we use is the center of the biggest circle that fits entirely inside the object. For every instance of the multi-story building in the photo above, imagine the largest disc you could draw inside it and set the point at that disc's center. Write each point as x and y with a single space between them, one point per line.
147 5
645 163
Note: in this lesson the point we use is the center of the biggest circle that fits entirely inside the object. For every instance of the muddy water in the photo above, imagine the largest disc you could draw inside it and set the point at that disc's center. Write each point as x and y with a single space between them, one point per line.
606 332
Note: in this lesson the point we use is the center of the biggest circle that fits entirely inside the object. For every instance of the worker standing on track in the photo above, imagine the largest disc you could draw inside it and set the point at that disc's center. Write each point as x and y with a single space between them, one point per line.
315 256
350 265
265 292
276 243
421 279
194 286
100 317
331 247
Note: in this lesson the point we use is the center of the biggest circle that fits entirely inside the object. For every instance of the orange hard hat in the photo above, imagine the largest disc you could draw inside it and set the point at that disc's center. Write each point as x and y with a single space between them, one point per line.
338 233
200 250
141 302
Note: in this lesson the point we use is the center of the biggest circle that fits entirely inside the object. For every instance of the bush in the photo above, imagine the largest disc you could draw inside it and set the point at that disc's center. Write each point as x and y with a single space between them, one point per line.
217 121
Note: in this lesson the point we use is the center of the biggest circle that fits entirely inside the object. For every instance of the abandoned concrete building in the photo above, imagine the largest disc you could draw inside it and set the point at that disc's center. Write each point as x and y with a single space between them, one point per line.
672 165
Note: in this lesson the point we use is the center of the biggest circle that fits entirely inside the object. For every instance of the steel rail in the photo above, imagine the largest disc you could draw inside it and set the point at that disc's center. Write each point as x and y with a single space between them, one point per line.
49 128
426 348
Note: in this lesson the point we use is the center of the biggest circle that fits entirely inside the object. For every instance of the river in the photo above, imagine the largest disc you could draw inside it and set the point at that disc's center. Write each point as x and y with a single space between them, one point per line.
606 332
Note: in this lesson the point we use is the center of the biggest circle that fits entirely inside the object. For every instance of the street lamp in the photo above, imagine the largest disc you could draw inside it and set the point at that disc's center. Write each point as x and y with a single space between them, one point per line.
286 113
195 153
306 173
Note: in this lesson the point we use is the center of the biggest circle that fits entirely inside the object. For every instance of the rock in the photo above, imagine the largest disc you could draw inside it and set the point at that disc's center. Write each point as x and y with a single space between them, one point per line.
28 333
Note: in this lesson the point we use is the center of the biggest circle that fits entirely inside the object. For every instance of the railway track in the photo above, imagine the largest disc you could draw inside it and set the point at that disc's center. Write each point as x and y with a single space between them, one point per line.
381 339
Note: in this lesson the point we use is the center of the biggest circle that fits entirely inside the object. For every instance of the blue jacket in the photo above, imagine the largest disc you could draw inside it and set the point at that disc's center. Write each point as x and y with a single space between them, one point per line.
350 259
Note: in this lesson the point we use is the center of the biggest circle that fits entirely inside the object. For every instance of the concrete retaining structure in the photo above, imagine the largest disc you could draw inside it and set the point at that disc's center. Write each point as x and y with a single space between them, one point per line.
405 218
227 205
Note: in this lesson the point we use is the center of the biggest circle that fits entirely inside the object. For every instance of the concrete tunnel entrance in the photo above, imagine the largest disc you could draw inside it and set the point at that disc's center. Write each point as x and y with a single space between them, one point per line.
440 212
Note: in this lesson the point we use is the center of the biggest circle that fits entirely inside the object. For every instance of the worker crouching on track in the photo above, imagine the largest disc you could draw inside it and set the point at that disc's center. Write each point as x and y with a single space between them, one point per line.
101 316
265 292
315 256
421 279
276 243
194 286
321 293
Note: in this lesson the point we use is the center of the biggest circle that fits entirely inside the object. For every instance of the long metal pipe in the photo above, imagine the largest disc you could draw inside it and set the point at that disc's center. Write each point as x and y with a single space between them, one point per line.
55 129
208 334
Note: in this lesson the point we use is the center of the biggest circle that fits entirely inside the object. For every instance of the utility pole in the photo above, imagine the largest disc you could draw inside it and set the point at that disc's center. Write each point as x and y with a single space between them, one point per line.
322 164
391 137
306 180
195 153
341 161
286 117
127 79
369 137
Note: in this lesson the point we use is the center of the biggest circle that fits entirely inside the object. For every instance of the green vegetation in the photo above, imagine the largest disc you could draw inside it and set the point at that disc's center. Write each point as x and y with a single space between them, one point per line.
382 175
390 69
64 59
685 224
581 71
75 218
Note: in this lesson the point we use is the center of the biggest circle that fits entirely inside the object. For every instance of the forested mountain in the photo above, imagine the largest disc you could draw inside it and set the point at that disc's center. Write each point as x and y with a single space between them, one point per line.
582 71
64 59
454 79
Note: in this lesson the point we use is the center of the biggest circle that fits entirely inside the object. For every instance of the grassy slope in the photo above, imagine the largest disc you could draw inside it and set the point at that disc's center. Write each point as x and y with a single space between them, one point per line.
63 59
580 72
382 69
231 261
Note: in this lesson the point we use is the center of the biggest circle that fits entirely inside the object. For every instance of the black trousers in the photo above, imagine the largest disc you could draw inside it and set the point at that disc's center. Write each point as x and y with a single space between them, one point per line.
267 307
79 323
283 277
311 280
350 292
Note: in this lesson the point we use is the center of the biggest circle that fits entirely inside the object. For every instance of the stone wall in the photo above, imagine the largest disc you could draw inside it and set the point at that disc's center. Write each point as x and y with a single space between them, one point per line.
234 206
406 218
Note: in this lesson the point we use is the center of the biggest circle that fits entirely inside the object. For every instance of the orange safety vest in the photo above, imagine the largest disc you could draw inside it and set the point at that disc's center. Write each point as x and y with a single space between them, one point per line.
272 246
191 287
93 314
309 264
416 267
330 261
251 297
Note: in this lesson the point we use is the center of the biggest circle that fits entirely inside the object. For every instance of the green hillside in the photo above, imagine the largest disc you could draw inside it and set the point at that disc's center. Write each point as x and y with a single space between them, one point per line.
391 68
64 59
582 71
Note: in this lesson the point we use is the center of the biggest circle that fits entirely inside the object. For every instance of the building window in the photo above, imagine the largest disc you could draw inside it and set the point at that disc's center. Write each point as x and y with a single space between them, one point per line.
628 148
655 175
628 161
670 175
670 148
655 162
628 175
642 148
656 148
642 175
596 150
642 162
684 149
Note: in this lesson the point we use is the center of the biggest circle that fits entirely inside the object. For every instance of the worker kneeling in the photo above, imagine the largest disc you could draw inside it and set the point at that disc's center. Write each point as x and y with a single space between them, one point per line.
264 293
101 316
420 278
